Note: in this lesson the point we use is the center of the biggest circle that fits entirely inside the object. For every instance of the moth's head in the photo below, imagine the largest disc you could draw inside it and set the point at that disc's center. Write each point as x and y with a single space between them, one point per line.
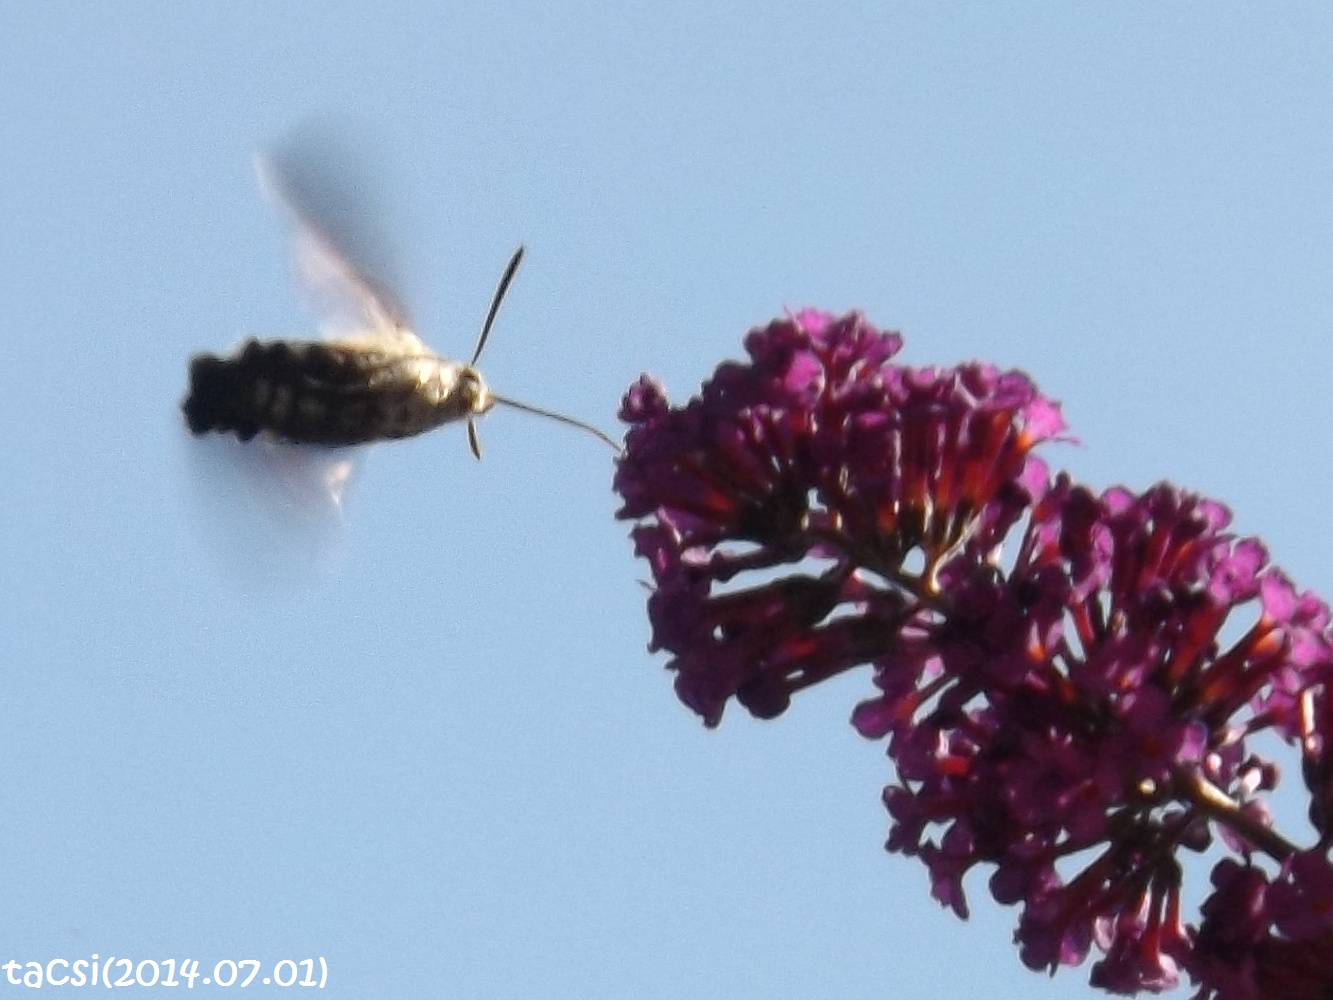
476 399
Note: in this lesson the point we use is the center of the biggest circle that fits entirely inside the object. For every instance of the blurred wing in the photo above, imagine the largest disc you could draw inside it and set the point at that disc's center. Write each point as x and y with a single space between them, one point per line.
270 513
350 304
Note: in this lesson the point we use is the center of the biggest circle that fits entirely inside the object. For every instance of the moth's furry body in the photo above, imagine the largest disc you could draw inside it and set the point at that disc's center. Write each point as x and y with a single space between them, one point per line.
335 394
374 381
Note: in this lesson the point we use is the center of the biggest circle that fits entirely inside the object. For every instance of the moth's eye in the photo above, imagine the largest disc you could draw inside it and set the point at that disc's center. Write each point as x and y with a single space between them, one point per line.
471 386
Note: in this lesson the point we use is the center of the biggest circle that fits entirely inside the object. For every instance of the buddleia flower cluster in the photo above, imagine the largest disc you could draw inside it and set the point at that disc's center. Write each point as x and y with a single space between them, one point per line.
1068 683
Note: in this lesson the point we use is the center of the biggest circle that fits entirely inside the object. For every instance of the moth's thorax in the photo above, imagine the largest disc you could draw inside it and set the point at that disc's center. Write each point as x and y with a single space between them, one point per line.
331 393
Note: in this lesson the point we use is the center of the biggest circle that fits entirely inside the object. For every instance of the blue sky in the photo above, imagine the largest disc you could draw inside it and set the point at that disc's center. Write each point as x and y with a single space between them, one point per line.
445 760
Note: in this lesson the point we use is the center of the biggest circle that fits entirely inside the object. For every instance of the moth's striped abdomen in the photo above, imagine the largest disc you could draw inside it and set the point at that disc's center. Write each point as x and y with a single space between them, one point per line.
374 381
308 392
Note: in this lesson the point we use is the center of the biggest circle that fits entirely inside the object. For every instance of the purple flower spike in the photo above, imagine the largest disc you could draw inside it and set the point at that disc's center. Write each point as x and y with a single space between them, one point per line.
1263 939
799 510
1070 717
1088 707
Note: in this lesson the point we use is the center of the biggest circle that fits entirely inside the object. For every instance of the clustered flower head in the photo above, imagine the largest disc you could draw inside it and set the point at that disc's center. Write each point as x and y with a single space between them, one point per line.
1067 682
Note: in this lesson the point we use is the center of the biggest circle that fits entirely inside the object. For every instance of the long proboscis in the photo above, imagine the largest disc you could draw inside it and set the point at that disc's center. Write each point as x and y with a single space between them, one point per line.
508 276
560 417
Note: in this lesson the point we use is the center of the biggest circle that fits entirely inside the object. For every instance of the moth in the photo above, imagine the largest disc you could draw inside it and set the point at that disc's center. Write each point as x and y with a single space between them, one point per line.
375 381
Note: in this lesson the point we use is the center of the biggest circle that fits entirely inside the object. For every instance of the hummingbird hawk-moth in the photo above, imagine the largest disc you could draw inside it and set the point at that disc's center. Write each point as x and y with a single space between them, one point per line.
375 381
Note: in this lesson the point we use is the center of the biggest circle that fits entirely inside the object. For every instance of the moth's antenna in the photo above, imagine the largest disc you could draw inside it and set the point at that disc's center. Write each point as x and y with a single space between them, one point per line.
505 279
527 408
473 441
510 269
